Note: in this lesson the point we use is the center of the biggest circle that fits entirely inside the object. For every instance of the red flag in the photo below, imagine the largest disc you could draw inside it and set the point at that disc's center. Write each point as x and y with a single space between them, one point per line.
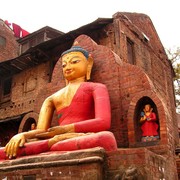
17 30
24 33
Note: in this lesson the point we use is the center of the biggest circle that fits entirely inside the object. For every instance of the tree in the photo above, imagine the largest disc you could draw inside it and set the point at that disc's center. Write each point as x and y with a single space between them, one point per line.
174 57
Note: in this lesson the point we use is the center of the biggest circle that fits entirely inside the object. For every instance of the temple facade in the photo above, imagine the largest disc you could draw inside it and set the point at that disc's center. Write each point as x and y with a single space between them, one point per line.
130 60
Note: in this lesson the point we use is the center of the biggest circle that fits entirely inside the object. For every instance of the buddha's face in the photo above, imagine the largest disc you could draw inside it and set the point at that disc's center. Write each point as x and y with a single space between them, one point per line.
74 65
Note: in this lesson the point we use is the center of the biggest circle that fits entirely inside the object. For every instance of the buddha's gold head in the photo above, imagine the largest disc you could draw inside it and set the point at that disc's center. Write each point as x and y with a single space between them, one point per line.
76 63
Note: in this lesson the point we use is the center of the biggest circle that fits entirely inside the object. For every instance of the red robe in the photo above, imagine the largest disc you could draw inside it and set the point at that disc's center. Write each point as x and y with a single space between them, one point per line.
89 111
149 128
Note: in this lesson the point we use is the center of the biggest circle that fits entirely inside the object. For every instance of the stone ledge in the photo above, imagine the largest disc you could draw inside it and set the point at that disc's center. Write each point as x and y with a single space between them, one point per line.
54 159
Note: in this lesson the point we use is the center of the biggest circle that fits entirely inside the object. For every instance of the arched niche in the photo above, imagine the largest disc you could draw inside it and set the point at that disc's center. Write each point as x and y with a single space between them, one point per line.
27 120
137 115
28 123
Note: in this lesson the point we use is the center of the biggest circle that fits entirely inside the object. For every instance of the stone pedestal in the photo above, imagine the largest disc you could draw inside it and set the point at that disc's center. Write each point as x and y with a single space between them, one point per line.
89 164
76 165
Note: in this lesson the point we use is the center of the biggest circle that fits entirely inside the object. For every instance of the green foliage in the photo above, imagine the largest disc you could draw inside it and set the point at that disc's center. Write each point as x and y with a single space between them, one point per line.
174 57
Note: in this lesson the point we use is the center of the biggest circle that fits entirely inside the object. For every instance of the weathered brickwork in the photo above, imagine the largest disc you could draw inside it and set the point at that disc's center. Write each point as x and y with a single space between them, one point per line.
143 161
26 87
91 171
85 165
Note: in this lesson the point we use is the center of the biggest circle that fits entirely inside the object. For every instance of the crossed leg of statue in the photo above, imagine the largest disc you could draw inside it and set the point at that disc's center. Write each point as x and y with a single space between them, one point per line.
67 142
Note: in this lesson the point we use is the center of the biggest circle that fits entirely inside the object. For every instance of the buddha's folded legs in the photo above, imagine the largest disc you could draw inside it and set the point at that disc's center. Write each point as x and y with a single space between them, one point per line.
103 139
29 149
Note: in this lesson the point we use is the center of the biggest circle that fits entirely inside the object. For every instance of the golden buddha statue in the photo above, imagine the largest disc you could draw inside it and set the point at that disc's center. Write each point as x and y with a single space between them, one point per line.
83 110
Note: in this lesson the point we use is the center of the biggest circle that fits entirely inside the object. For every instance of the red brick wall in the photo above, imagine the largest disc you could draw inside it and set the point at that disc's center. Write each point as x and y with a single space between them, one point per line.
25 87
144 24
10 50
151 58
147 163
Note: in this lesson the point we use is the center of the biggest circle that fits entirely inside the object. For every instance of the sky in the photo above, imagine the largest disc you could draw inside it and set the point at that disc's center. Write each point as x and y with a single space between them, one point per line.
68 15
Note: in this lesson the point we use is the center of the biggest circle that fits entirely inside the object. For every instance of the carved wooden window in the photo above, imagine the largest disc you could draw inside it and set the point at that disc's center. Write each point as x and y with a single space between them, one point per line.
130 51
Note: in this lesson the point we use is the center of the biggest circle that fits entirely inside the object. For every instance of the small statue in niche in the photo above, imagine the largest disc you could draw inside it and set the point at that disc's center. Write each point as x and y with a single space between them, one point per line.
33 126
149 124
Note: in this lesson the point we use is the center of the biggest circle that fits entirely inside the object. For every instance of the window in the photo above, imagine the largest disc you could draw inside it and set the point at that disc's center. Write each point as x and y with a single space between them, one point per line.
24 47
6 89
2 41
130 51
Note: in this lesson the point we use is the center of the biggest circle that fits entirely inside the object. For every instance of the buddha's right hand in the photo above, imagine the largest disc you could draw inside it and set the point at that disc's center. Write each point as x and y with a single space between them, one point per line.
13 145
57 130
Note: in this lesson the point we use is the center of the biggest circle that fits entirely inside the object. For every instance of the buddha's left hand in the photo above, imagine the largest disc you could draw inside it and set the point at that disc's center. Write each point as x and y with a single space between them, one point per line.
56 131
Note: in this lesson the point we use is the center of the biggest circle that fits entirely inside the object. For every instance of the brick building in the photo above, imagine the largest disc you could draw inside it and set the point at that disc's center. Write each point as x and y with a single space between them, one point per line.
131 61
8 44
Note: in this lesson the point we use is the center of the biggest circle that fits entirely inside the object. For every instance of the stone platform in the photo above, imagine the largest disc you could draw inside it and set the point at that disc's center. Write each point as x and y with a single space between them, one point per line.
89 164
81 164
